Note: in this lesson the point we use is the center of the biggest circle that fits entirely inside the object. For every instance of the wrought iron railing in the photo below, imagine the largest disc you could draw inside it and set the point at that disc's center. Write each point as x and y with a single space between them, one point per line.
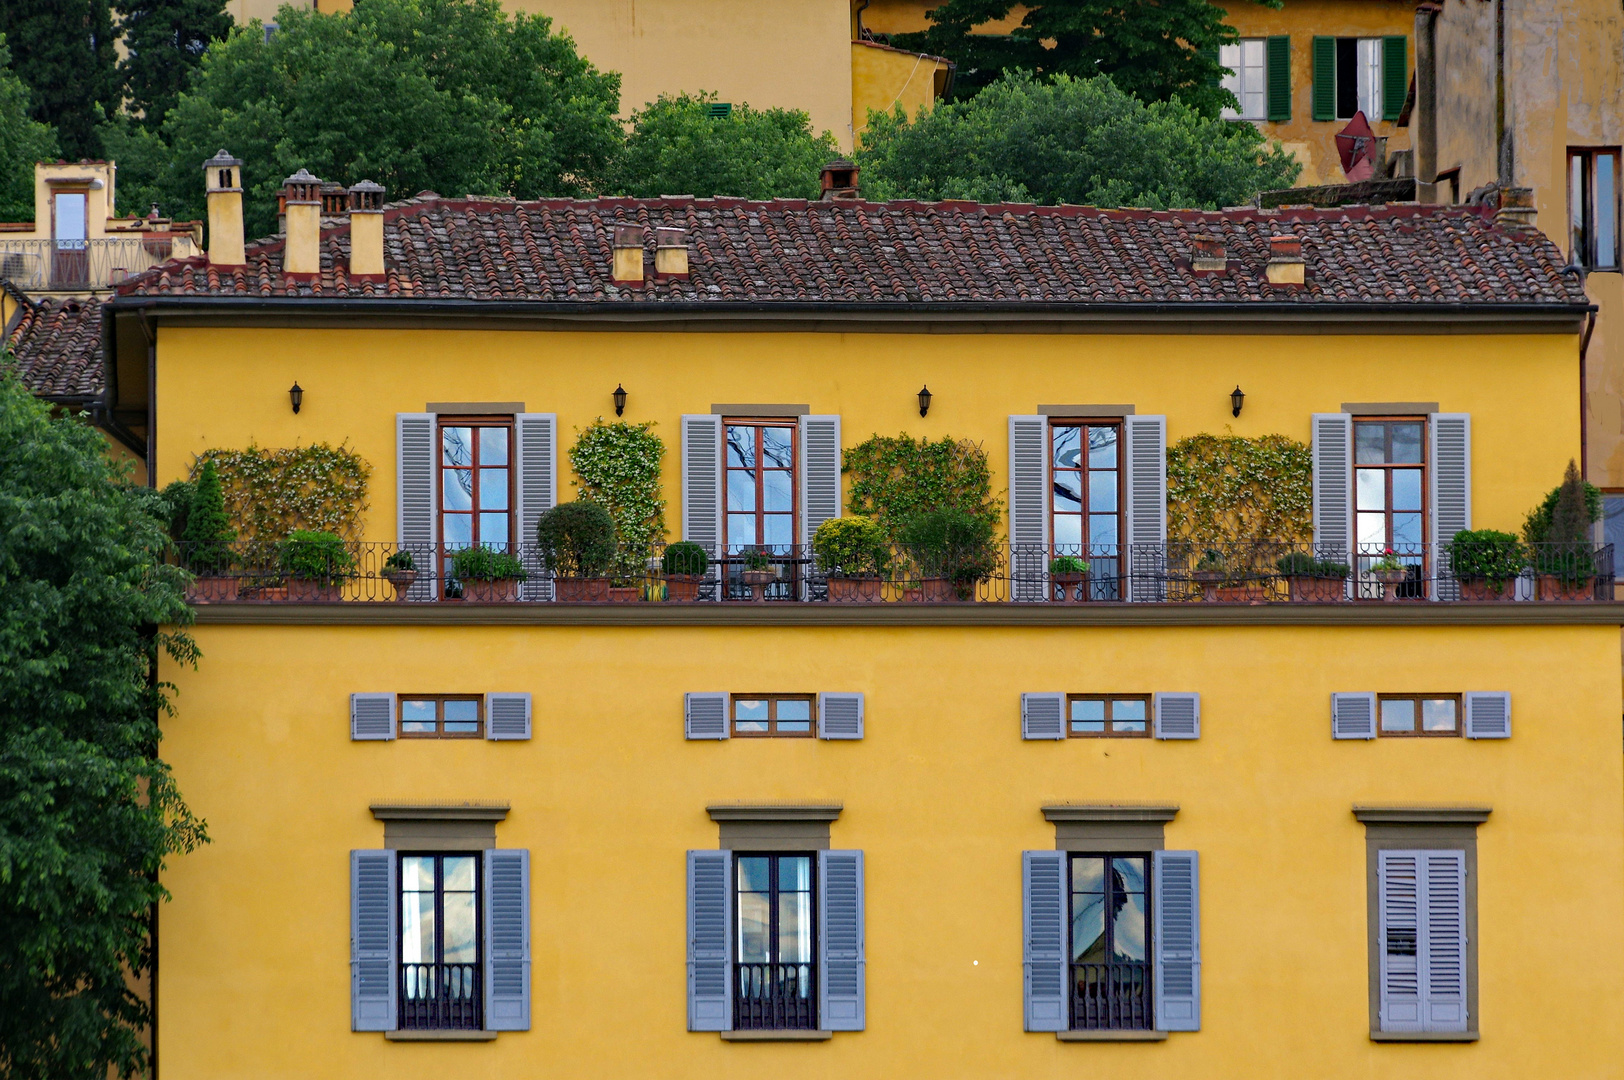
1112 997
775 997
78 265
440 997
1177 573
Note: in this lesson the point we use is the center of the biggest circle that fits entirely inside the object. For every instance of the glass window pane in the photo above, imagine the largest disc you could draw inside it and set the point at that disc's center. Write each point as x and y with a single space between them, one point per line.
1372 532
754 925
1406 534
741 490
1370 489
461 717
1606 213
794 716
1406 489
1088 909
1128 715
777 493
458 872
1102 492
70 219
456 446
493 446
1613 523
795 927
741 531
493 489
1398 714
417 873
1068 492
1438 714
1576 209
741 447
1088 716
460 943
458 530
777 530
493 530
1102 448
749 715
1369 444
794 873
1406 444
417 928
752 873
778 447
416 716
1370 77
1068 534
1128 925
458 486
1102 530
1067 443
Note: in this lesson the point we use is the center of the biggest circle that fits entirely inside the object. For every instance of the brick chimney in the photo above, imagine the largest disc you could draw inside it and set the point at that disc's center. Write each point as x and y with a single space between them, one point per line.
1285 260
670 252
1207 255
627 268
366 230
301 245
222 181
839 180
1517 210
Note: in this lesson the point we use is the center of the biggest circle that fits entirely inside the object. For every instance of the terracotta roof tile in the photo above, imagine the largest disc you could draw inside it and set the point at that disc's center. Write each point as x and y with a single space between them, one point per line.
59 347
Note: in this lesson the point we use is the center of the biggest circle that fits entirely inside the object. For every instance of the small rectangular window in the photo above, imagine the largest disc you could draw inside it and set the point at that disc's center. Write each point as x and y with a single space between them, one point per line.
1593 215
441 716
1108 715
1419 715
765 715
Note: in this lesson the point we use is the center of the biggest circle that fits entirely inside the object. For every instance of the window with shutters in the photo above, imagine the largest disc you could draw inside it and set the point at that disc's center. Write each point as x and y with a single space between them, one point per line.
476 478
1359 75
1593 205
441 716
1247 78
775 976
1110 942
1108 715
1087 478
1390 493
760 517
765 715
1419 715
439 972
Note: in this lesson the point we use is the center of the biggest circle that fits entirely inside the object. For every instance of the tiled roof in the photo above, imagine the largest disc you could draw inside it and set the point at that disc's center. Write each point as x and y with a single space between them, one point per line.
59 347
794 251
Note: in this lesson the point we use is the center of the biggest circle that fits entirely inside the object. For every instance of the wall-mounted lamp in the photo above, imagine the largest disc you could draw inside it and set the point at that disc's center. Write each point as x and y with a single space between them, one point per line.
296 394
620 399
1236 398
924 400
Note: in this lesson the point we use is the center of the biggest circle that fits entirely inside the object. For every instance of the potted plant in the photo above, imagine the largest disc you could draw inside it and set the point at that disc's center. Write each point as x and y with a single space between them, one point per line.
1068 577
1311 579
576 542
1390 572
953 550
488 575
756 572
1209 572
853 554
207 537
400 571
684 565
1558 535
316 564
1486 563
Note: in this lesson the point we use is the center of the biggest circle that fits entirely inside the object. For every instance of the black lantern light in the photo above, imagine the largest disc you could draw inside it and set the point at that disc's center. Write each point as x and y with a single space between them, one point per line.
924 400
296 393
620 400
1236 398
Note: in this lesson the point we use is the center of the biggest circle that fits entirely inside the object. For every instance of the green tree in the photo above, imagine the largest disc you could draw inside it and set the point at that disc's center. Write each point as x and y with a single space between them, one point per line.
63 51
165 40
23 141
677 148
88 812
1081 141
208 534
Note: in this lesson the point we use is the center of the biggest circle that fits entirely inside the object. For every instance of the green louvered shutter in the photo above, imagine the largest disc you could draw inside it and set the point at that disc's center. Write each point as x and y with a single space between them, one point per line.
1279 69
1395 75
1325 78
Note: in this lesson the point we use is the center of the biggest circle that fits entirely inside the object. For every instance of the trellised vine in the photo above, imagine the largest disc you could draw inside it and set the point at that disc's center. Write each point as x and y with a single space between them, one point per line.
894 478
617 466
1225 488
270 493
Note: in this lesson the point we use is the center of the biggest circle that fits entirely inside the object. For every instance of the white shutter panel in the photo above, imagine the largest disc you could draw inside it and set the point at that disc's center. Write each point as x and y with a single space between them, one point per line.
1353 716
702 485
1333 484
1451 495
1398 892
704 716
1175 927
537 457
1029 507
507 939
840 716
415 525
820 472
710 941
1488 715
507 716
1443 942
1146 509
372 716
373 938
1043 716
1178 716
840 918
1045 955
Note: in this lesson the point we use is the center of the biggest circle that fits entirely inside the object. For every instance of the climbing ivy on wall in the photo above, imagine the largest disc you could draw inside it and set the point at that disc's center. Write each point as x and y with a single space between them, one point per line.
1225 488
617 466
893 478
270 493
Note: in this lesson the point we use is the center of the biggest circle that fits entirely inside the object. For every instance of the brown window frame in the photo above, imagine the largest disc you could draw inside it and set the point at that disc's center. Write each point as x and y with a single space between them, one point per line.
1109 699
441 468
792 425
1084 423
772 731
1585 235
1425 466
439 731
1460 717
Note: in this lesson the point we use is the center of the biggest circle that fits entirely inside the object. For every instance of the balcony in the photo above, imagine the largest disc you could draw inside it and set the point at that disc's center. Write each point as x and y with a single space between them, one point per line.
439 997
69 266
1111 997
774 997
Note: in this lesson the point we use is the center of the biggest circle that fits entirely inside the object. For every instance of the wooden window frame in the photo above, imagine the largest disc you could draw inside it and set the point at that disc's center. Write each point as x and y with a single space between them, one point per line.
1084 423
772 731
1425 466
792 425
1150 719
1419 733
439 731
1587 212
441 468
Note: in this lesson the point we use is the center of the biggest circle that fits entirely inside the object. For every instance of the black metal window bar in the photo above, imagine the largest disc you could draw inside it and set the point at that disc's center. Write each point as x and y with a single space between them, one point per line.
440 997
774 997
1112 997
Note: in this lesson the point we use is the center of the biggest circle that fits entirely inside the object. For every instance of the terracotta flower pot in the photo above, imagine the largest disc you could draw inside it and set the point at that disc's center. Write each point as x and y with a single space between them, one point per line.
757 581
1556 587
213 590
307 590
1068 588
1317 589
1486 589
845 590
402 581
1390 581
625 594
1232 594
500 591
683 588
933 591
593 590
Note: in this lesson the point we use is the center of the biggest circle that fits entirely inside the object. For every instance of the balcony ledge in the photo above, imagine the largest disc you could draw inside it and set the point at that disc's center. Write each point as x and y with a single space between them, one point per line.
440 1036
1424 1036
1103 1035
776 1036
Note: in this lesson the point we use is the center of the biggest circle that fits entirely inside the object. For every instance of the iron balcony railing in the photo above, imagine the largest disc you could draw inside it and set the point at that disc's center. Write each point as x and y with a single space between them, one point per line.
1239 573
1111 997
78 265
774 997
440 997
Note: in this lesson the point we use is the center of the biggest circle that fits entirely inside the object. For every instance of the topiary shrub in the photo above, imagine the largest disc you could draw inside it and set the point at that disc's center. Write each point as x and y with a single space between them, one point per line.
852 546
1486 555
576 539
1558 529
950 543
1304 564
486 564
685 559
322 557
208 534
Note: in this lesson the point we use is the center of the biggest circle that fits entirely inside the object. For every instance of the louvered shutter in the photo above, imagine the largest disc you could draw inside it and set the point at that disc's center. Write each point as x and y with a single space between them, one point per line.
702 484
1353 716
1443 942
704 716
1333 484
1279 78
1043 716
1450 435
840 918
840 716
820 472
1175 928
1146 509
507 716
1488 714
537 438
1044 939
1029 507
415 525
507 939
1324 78
1395 75
1398 908
710 941
372 716
1178 716
373 938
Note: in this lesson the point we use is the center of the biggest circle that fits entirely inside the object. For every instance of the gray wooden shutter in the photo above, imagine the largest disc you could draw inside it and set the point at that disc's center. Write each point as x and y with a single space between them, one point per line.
1175 928
1043 716
507 716
1029 507
1450 435
373 937
820 472
507 939
704 716
372 716
840 716
537 481
1333 484
1146 509
710 941
1443 942
416 521
702 482
1178 716
840 951
1488 714
1398 905
1353 716
1044 923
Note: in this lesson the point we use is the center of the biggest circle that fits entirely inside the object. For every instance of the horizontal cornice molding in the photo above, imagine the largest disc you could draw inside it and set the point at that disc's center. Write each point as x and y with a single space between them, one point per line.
440 811
1101 813
774 811
1422 815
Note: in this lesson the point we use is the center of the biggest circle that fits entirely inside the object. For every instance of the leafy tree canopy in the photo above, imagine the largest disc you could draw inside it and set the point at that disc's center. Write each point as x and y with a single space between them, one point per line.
676 148
63 51
88 812
1066 140
164 41
23 141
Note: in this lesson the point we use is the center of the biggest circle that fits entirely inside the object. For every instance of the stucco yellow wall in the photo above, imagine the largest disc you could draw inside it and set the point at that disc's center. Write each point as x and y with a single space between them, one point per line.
908 16
883 79
942 795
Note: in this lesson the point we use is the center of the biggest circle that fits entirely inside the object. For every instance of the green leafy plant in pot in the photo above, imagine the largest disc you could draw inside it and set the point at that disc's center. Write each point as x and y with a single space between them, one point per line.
488 574
1558 535
954 551
1313 579
315 564
576 541
1068 577
206 537
400 570
1487 563
684 565
854 555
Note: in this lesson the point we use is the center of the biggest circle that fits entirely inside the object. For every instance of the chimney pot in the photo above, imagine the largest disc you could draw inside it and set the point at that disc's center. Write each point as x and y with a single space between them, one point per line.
671 252
627 267
222 185
301 242
1286 265
366 229
839 180
1517 210
1207 254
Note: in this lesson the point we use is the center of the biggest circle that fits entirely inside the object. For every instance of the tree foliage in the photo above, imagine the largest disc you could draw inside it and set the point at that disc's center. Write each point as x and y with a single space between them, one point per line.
88 812
63 51
898 477
1081 141
164 42
617 466
23 141
677 148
